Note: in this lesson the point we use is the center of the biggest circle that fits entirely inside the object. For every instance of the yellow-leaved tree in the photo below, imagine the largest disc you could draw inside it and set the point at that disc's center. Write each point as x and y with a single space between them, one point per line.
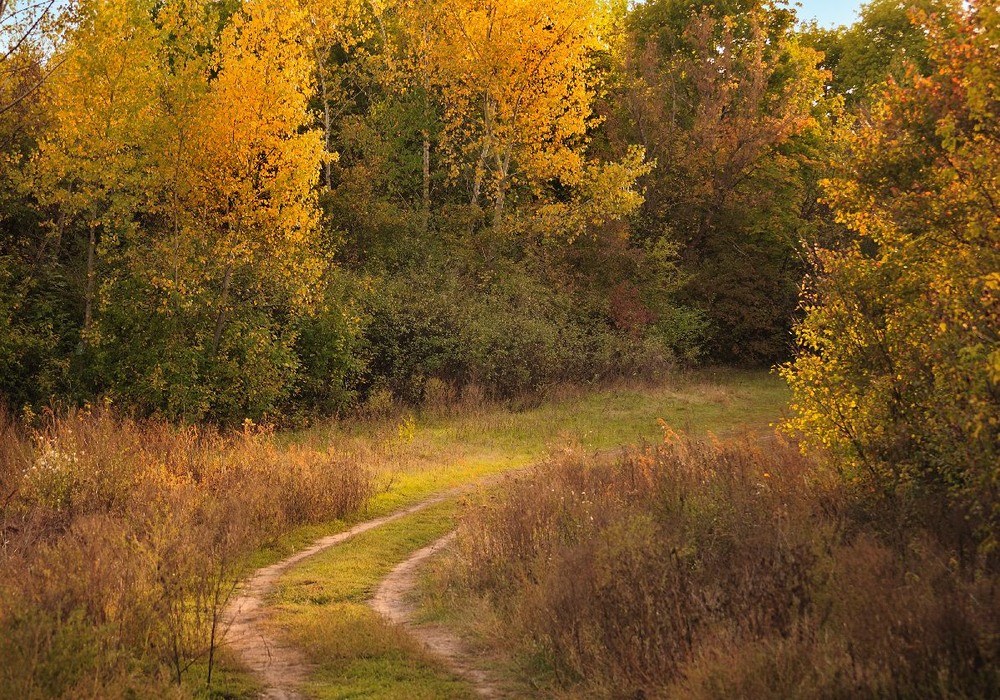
898 370
252 163
88 173
515 80
182 147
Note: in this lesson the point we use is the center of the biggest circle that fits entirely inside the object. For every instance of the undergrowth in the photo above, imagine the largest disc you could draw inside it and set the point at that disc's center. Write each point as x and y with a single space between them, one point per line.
722 569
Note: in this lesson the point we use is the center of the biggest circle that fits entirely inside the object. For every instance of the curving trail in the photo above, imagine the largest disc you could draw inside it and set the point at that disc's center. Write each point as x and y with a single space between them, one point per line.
393 601
281 667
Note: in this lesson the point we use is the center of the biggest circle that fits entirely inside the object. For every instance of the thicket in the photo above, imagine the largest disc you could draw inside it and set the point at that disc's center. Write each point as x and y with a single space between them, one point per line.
718 570
122 541
897 376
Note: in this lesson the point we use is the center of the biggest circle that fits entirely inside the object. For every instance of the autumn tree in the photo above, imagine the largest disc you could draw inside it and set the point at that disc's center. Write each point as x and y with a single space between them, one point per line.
34 331
89 171
414 215
726 100
884 43
518 102
183 154
898 368
25 28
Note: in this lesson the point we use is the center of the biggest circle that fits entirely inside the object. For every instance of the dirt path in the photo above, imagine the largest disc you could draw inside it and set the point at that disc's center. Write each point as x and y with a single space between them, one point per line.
393 599
281 667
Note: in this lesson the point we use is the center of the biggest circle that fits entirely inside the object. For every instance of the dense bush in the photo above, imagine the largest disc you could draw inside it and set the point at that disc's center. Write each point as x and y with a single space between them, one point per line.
898 371
509 334
725 570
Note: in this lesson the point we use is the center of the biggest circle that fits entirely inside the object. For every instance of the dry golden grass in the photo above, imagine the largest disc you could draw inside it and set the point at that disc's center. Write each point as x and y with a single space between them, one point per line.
122 540
717 570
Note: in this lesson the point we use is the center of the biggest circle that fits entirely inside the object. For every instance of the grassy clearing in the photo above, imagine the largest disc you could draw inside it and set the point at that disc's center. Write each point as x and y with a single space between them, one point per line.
120 538
718 401
417 453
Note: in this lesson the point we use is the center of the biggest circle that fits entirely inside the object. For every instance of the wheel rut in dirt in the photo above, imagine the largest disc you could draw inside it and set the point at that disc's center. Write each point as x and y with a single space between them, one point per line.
394 601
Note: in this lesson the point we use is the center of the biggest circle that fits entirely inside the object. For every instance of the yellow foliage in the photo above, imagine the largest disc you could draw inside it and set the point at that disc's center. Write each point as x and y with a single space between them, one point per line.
159 111
513 77
898 368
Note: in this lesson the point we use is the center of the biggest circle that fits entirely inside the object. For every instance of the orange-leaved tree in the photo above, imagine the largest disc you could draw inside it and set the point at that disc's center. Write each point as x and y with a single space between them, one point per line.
182 149
898 369
730 104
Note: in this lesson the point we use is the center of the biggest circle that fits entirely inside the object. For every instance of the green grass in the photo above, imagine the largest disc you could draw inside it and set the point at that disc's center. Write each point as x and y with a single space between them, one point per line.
321 609
228 682
445 451
417 454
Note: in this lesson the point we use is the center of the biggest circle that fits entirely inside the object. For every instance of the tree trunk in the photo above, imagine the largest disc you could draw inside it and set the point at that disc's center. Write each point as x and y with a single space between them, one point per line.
220 320
477 184
427 178
504 166
327 128
88 296
479 176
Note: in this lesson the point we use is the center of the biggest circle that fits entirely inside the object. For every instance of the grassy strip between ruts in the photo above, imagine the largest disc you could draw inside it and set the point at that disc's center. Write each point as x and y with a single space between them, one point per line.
321 608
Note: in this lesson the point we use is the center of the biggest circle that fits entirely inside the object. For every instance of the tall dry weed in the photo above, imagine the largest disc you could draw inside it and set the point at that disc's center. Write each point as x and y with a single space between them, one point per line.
735 569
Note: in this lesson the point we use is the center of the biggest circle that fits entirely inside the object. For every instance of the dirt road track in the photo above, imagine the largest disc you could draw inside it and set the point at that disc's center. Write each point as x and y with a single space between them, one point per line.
393 599
281 667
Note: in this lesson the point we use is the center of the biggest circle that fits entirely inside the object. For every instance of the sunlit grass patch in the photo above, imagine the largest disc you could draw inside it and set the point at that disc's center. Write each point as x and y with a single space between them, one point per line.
718 401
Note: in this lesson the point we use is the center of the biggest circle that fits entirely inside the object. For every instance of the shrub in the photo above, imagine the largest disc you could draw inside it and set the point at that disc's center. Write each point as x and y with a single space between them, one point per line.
898 371
510 334
122 540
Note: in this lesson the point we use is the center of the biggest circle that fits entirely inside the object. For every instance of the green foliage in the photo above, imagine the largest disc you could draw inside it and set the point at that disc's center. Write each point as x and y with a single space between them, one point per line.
505 330
328 349
158 359
730 105
884 44
38 336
